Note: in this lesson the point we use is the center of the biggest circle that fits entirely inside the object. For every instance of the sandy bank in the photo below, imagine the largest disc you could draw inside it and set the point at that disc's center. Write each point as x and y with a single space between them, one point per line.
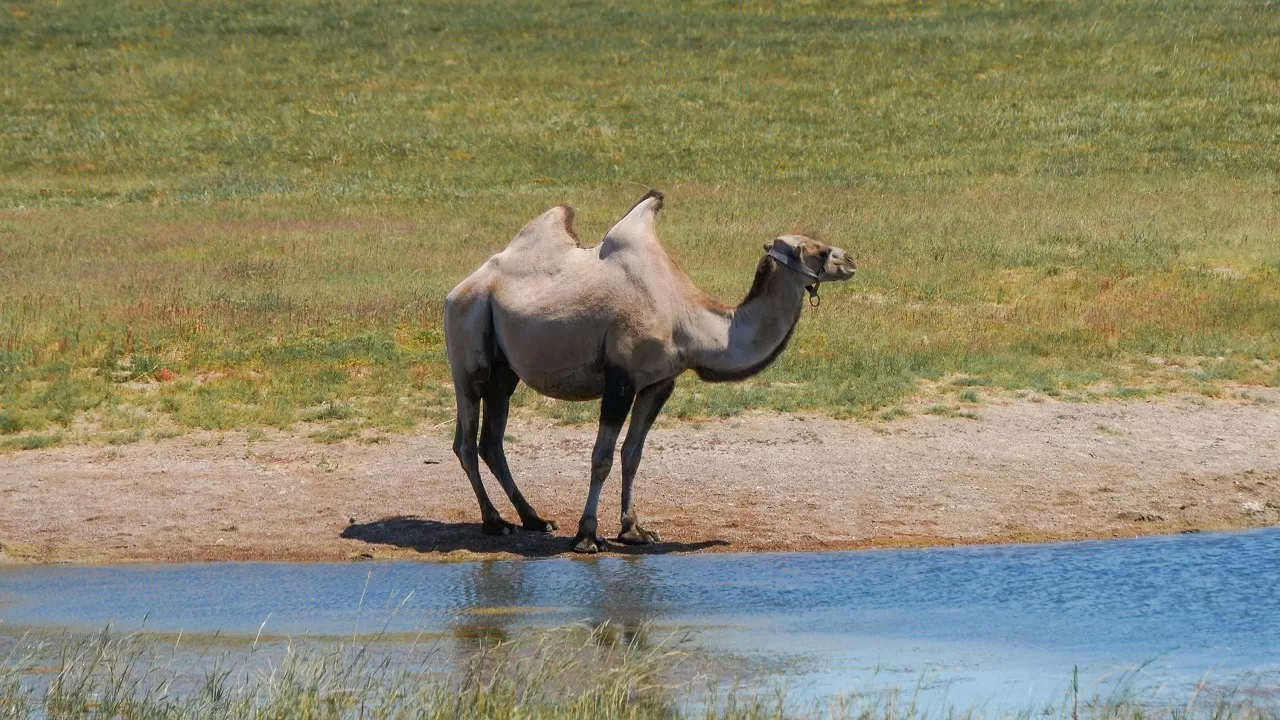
1021 471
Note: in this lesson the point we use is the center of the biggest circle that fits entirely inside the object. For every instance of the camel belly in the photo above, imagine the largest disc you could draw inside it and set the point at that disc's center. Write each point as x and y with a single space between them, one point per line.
556 357
565 370
564 379
559 339
575 386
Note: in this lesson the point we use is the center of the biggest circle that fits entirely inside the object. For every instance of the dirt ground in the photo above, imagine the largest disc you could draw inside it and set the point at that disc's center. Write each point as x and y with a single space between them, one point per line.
1023 470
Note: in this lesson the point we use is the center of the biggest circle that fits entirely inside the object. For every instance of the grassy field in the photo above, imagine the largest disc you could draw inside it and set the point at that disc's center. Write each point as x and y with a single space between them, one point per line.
246 214
592 673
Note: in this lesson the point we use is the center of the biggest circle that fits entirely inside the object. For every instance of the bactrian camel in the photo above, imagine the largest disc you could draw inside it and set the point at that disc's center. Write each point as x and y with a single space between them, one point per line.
619 322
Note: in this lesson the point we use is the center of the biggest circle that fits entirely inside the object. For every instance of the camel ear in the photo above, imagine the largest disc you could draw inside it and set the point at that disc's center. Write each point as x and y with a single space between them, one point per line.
780 245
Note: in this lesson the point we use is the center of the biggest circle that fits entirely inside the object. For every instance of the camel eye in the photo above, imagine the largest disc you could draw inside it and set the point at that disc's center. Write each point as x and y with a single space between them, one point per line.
824 255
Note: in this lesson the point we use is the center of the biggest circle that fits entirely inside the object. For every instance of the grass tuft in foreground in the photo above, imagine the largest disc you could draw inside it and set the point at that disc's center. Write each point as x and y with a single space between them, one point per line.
600 672
571 673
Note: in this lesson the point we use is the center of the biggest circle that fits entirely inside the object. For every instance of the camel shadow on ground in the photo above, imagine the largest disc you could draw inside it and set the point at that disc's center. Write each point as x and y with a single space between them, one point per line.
426 536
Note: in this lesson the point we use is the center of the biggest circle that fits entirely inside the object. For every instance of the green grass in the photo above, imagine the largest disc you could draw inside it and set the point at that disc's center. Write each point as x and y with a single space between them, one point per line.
336 433
599 673
33 441
568 673
894 413
266 202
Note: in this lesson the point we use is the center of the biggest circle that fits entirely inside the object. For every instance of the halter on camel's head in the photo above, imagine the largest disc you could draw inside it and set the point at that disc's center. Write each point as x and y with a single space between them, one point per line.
813 260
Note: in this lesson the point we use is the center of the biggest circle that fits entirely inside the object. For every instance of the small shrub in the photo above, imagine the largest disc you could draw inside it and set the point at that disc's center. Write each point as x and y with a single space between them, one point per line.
33 442
11 421
330 411
337 433
143 366
894 413
122 438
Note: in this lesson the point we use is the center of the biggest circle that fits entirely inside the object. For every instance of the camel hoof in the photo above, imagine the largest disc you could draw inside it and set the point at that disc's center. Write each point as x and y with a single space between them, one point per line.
540 525
497 527
639 536
588 545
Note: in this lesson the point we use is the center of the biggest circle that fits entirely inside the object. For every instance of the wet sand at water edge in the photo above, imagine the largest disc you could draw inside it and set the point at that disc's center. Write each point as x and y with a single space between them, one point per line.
1021 471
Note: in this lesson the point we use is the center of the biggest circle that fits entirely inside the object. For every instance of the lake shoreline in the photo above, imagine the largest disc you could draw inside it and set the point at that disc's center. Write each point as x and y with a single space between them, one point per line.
26 555
1022 471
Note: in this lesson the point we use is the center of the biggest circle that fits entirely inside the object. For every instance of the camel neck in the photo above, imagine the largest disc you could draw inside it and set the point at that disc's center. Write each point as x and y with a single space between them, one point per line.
745 340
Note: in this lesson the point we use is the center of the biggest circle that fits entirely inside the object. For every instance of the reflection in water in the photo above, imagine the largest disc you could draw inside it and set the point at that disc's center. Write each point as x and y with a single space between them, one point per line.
479 635
628 591
617 598
628 599
490 586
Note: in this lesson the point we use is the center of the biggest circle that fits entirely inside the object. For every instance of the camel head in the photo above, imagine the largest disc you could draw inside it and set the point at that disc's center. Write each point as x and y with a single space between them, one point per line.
815 261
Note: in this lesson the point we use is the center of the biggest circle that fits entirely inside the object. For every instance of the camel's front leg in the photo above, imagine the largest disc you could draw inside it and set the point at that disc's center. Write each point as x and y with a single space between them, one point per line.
619 393
649 403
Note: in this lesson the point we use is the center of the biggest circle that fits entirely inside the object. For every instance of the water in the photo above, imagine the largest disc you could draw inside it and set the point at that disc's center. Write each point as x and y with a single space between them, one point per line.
1000 625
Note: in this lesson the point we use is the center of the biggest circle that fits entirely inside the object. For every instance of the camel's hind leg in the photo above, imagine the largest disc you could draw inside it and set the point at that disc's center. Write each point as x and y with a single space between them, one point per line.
468 333
497 402
464 446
